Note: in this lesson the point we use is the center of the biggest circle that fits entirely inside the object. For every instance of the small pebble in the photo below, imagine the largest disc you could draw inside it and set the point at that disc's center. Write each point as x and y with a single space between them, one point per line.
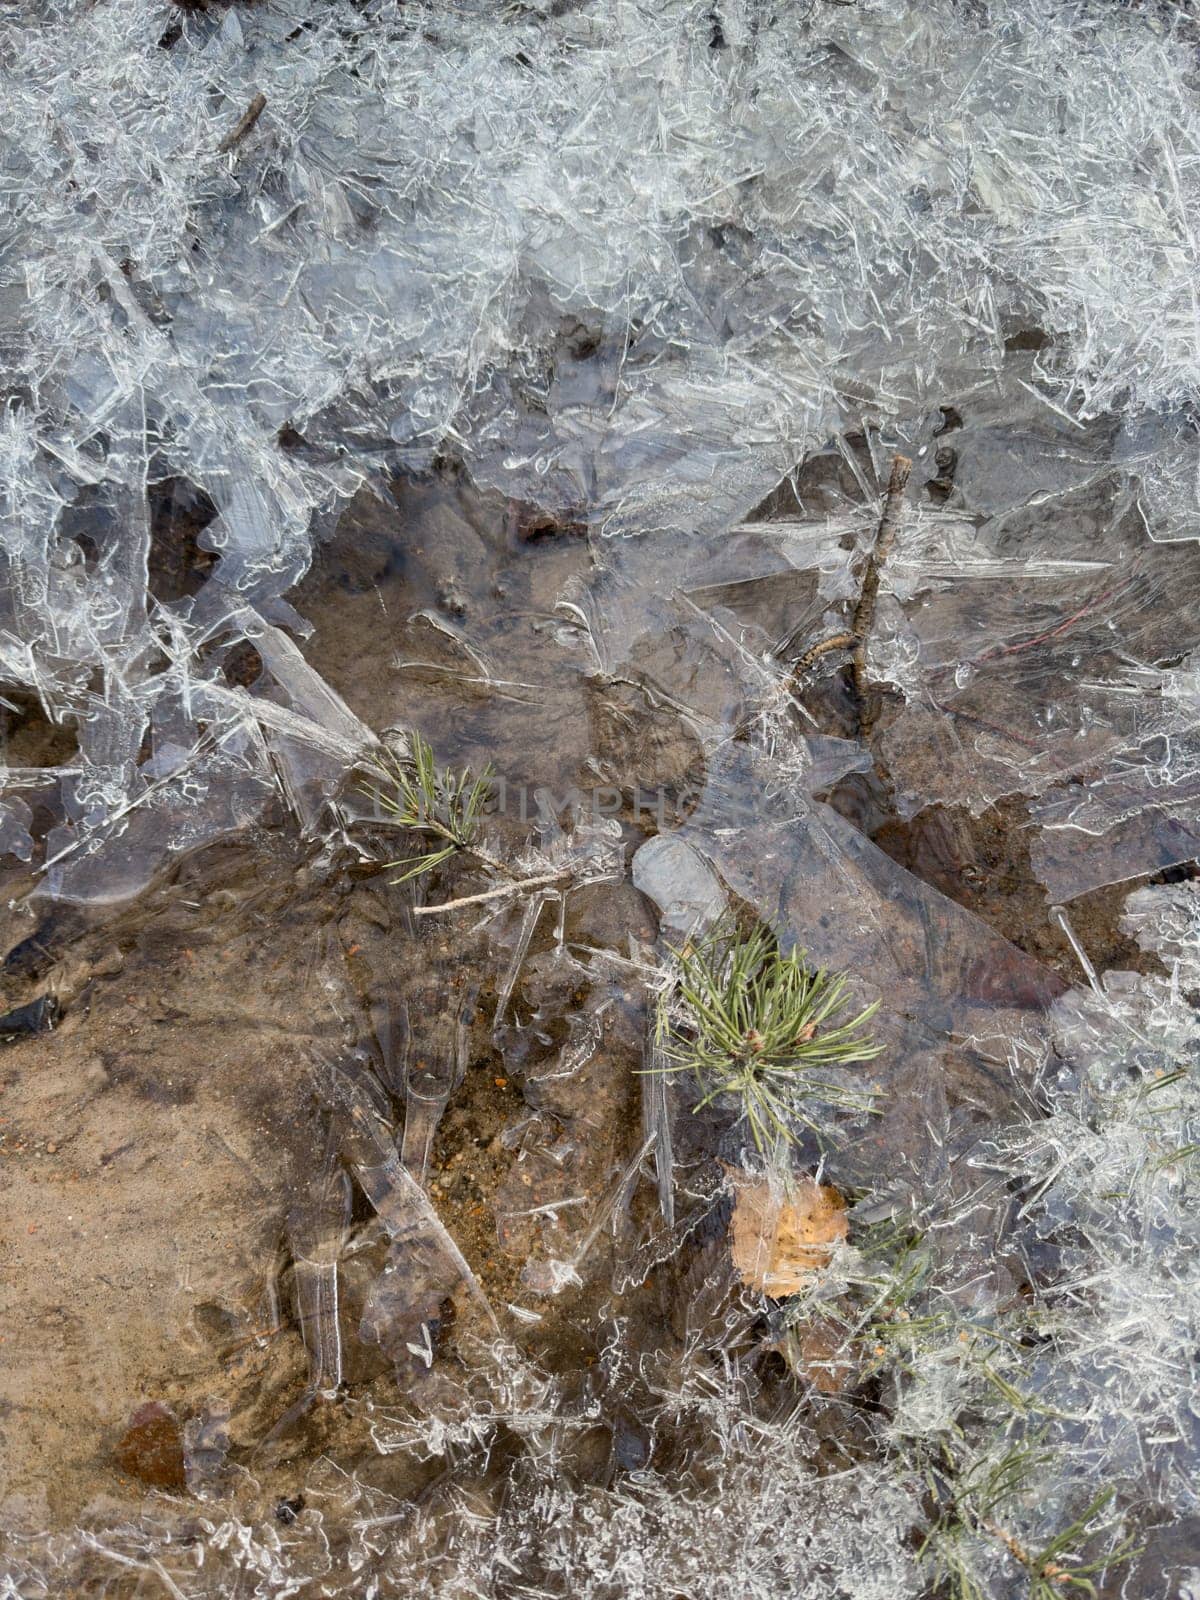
151 1448
51 1149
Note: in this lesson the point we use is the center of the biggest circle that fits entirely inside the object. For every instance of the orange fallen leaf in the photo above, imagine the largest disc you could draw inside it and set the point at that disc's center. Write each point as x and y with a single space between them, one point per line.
779 1239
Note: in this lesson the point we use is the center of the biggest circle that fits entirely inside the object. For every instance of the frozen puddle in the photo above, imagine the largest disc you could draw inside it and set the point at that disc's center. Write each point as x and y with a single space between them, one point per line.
705 474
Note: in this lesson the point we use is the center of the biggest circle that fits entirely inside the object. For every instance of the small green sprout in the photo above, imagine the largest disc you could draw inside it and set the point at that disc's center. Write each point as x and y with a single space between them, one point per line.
445 806
750 1022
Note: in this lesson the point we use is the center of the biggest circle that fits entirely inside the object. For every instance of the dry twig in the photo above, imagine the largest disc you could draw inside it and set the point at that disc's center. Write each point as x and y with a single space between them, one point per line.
885 538
493 894
864 612
835 641
243 125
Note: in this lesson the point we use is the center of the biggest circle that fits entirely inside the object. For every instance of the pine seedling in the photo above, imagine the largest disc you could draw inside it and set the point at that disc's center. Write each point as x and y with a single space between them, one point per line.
977 1502
763 1028
444 806
1055 1568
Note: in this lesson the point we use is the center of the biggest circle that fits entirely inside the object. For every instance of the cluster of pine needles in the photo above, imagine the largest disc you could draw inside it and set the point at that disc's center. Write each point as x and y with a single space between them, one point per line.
414 792
764 1027
969 1506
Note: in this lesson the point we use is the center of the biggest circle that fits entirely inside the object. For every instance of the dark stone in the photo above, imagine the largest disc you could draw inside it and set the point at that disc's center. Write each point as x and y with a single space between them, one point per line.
151 1448
35 955
288 1510
39 1016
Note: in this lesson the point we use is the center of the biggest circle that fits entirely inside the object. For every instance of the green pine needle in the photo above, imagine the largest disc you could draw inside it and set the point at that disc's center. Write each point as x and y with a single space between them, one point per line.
762 1027
979 1502
445 806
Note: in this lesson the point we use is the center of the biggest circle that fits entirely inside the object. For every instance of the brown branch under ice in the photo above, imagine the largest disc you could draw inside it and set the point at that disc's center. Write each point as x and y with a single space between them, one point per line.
864 612
885 538
836 641
243 125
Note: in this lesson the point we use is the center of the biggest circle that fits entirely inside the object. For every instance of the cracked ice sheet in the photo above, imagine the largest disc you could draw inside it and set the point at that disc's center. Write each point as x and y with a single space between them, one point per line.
627 272
1138 814
941 974
1031 645
1029 648
1039 652
194 788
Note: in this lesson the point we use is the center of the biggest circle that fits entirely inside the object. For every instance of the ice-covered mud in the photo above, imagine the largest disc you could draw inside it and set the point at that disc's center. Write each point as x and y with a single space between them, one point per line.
531 380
